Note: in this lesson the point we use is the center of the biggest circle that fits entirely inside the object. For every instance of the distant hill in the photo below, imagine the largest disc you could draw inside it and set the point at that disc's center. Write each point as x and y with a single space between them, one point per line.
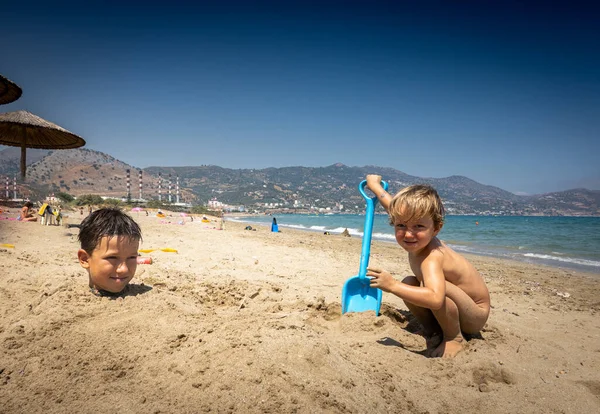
336 185
10 159
83 171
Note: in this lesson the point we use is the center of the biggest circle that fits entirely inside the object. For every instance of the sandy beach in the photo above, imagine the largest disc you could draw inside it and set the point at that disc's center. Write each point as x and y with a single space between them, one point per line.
243 321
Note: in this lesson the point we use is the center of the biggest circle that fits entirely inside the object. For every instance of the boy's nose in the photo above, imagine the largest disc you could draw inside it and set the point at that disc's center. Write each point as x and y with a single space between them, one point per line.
122 268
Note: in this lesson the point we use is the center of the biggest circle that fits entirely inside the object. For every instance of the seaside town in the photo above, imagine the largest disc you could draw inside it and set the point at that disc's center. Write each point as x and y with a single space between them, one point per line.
297 190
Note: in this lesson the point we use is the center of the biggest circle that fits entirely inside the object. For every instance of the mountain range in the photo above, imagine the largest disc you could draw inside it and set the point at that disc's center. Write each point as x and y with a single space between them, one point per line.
330 188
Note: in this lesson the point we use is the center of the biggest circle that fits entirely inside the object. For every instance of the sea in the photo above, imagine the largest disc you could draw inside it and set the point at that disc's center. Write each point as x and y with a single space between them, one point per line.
568 242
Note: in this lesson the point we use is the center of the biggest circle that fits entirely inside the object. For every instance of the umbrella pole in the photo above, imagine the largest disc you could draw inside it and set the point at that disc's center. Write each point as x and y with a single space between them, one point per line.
23 158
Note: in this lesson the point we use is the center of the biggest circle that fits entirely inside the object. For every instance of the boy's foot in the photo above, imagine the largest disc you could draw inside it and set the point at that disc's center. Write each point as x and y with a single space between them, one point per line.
432 340
448 349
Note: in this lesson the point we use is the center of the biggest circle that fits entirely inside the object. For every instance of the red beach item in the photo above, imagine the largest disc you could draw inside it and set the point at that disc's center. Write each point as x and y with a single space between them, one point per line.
143 260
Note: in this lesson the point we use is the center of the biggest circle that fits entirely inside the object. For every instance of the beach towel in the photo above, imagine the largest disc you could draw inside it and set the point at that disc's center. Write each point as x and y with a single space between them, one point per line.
43 208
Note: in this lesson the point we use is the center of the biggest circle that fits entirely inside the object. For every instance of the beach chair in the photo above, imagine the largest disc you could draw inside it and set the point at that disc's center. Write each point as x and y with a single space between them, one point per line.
47 215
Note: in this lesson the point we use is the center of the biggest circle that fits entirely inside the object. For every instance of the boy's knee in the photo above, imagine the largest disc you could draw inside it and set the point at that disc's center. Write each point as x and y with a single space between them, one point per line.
411 280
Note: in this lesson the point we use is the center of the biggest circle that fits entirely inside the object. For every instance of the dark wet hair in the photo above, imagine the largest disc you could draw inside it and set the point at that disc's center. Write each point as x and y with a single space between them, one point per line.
106 222
28 204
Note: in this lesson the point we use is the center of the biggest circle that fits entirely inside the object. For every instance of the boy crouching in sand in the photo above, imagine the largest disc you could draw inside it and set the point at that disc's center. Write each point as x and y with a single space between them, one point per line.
447 294
109 248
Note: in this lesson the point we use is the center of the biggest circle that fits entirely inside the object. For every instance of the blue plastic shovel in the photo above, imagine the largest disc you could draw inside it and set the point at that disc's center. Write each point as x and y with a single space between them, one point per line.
357 295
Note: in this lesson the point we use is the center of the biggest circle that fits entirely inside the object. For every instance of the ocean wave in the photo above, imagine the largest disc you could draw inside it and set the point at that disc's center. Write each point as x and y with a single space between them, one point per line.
582 262
338 230
384 237
355 232
520 248
295 226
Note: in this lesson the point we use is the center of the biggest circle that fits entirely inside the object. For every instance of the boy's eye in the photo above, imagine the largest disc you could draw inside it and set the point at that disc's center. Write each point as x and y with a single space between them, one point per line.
401 226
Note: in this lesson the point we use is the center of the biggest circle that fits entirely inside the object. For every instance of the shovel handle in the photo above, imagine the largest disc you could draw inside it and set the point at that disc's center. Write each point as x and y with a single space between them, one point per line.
368 232
363 185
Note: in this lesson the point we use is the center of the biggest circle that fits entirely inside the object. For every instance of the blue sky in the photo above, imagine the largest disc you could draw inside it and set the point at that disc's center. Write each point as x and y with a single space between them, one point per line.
507 94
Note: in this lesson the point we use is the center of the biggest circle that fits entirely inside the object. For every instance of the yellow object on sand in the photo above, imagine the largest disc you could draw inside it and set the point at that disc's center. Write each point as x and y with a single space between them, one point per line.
146 250
164 249
161 215
10 246
43 209
168 250
205 221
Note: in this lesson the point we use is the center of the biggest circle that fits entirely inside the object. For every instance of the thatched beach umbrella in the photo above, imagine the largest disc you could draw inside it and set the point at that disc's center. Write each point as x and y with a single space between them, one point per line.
9 91
25 130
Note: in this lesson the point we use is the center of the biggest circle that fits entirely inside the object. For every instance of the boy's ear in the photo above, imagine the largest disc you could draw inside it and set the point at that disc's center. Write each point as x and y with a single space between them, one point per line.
84 258
439 228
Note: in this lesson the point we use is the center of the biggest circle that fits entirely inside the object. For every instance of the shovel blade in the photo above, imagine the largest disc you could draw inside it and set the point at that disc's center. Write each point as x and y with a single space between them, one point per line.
358 296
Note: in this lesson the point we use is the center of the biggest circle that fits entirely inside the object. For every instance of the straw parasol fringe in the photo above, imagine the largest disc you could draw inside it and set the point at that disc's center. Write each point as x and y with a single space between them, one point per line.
25 130
9 91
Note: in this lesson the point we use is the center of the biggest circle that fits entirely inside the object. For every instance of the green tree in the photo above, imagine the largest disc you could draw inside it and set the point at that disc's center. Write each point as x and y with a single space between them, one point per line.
89 199
65 197
156 204
204 210
113 202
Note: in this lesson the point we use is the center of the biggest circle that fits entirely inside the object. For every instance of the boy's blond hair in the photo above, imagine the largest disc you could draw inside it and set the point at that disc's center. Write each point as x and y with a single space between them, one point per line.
415 202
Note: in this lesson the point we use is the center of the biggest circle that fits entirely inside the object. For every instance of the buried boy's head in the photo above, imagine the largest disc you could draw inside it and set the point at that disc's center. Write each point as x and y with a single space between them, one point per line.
109 248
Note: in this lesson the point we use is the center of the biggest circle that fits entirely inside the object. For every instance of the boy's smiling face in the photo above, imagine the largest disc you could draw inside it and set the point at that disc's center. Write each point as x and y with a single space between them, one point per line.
112 265
414 235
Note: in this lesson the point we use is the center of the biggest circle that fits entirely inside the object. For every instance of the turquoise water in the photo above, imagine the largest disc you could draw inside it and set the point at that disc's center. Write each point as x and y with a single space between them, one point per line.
571 242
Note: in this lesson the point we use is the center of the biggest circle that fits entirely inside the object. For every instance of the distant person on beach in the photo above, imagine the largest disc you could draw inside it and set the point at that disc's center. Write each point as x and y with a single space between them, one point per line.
109 249
447 295
26 213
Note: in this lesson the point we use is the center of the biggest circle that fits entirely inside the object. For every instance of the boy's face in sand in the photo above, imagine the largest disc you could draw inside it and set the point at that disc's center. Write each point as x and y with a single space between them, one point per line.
112 264
413 236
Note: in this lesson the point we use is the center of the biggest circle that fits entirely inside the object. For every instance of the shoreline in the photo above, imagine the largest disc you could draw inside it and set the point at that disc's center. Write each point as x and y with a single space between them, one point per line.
461 248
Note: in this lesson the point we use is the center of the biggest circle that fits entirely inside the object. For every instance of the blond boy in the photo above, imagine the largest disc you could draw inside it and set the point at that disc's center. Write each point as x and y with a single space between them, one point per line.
446 294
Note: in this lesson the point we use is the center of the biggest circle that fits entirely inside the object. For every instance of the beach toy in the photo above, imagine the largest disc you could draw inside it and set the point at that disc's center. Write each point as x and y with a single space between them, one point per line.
10 246
143 260
357 295
164 249
146 250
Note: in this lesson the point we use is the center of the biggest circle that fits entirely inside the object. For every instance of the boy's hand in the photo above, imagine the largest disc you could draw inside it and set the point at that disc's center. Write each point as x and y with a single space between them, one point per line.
381 279
374 182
